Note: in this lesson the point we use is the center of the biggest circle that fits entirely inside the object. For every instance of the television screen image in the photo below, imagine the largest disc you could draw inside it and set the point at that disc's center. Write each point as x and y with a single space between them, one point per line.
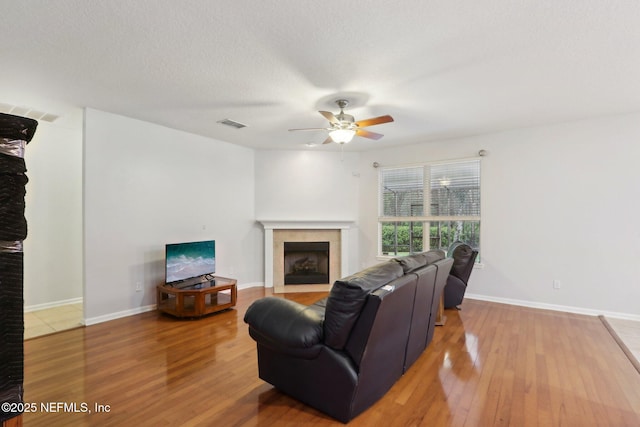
189 260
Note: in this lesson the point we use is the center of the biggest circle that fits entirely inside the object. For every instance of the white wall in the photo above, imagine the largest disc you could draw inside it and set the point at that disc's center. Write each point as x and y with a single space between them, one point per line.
53 248
147 185
309 185
558 202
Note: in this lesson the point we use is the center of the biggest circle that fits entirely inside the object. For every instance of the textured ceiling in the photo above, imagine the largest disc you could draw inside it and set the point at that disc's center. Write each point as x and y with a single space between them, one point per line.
442 69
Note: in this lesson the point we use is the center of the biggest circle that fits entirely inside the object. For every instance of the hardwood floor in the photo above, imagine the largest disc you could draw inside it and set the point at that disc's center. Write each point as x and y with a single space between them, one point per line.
490 365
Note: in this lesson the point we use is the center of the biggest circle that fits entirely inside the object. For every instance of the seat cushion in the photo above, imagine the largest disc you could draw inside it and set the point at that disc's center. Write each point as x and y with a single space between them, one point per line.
347 297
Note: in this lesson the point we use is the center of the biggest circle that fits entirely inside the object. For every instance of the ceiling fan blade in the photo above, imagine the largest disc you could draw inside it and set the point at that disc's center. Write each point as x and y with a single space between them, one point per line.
328 140
329 116
367 134
374 121
314 129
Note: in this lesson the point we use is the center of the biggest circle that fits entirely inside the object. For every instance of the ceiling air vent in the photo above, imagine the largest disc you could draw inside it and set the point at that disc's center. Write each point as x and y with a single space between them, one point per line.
27 112
232 123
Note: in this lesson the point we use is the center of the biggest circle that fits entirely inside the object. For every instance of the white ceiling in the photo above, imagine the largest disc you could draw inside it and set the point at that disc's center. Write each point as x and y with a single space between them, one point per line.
441 68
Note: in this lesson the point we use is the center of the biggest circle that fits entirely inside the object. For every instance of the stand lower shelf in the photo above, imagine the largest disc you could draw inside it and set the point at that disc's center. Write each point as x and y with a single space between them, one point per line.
200 299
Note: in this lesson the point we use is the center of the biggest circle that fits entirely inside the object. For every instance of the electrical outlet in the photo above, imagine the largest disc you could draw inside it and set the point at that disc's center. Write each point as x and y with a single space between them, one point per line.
138 287
556 284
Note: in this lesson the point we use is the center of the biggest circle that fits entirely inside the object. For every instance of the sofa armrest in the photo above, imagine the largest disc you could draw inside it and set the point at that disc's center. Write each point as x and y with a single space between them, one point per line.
286 326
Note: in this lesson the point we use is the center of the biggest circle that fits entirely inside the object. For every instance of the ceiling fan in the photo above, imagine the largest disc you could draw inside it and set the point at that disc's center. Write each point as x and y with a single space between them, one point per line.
342 127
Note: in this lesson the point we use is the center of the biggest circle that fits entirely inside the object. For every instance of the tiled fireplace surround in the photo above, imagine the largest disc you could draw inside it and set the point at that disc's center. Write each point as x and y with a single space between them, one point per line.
278 232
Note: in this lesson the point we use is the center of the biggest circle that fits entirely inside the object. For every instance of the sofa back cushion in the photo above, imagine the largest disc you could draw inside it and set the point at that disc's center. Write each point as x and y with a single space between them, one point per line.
378 342
347 297
412 262
421 316
444 268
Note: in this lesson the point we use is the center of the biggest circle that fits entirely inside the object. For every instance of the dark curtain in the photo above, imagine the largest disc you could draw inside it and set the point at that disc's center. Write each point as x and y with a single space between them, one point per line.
15 133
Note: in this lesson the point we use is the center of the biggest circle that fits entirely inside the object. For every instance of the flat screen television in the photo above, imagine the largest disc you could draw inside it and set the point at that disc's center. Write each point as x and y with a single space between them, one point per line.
190 260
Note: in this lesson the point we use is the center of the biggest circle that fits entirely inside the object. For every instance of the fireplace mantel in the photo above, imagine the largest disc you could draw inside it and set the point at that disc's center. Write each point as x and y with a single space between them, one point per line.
305 224
271 225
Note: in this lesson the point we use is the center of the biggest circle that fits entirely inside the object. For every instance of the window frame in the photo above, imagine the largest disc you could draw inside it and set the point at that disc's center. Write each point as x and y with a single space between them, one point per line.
428 218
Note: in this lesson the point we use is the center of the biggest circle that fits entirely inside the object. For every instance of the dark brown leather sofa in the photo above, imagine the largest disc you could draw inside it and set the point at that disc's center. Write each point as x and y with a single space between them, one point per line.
343 353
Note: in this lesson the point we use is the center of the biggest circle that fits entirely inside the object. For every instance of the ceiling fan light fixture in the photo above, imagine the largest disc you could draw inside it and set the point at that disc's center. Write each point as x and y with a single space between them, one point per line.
342 136
343 127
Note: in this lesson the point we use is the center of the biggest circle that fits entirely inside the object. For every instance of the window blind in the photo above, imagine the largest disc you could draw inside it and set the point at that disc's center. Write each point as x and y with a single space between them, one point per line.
450 190
403 192
455 190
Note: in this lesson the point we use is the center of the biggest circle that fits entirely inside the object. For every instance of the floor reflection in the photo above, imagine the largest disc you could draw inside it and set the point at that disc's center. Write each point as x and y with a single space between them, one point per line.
460 354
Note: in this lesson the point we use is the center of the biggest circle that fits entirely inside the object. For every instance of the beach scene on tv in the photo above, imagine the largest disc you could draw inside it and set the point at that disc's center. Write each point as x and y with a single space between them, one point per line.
187 260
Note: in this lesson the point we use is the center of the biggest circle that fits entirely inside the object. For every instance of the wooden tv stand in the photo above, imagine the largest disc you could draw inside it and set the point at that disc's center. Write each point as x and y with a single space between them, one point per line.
199 299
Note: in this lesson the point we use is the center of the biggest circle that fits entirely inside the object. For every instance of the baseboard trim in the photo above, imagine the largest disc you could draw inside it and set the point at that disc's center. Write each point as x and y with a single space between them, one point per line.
521 303
251 285
112 316
44 306
553 307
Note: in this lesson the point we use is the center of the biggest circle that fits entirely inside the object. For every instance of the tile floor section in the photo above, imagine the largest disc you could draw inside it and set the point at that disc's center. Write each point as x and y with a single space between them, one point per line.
629 332
50 320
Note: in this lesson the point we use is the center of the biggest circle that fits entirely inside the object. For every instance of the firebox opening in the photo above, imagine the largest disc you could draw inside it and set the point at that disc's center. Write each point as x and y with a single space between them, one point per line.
306 263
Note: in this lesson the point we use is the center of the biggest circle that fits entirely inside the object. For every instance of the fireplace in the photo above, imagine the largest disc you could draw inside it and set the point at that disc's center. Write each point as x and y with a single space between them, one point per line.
277 233
306 263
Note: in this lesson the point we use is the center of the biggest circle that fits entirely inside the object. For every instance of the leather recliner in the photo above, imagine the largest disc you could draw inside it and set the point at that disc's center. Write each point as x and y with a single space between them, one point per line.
464 258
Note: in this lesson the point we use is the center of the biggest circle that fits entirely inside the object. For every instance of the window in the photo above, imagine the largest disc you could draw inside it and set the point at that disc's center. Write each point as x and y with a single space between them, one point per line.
451 193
